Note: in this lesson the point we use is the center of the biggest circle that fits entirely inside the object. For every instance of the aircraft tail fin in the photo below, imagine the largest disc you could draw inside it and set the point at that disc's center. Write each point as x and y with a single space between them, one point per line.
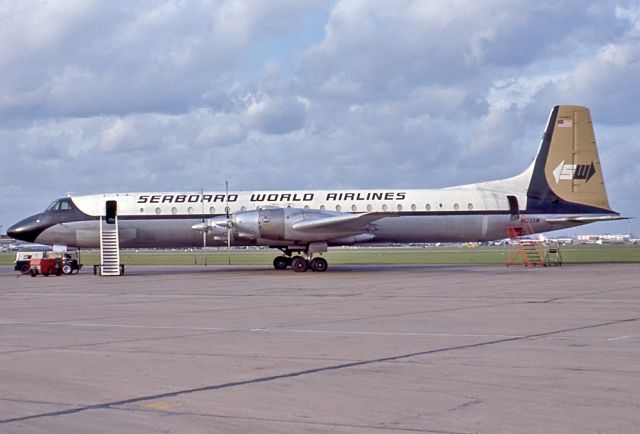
566 176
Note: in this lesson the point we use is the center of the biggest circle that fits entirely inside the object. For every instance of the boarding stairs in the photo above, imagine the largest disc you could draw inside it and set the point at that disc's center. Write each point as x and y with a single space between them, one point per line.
109 248
531 252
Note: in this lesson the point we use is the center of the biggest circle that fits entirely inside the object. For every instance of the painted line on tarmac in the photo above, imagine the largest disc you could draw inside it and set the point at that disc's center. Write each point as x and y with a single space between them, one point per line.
623 338
307 331
433 334
346 332
124 326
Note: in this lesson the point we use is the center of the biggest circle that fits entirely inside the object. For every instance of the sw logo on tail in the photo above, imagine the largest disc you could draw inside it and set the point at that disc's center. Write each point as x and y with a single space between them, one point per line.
570 172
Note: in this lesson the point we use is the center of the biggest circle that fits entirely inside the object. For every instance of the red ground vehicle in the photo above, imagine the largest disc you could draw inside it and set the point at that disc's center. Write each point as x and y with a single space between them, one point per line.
68 262
45 266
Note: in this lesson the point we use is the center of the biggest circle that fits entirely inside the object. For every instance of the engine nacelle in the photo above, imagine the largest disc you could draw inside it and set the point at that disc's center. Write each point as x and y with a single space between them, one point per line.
274 224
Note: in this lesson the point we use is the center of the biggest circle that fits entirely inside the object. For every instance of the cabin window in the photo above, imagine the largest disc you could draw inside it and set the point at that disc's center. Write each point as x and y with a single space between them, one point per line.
413 207
369 208
338 208
399 207
428 207
470 206
190 210
456 206
243 208
158 210
141 210
174 210
354 208
306 207
322 207
385 207
212 209
440 205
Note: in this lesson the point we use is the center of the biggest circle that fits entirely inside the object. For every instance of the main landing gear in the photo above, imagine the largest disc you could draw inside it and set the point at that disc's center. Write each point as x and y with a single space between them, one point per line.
299 264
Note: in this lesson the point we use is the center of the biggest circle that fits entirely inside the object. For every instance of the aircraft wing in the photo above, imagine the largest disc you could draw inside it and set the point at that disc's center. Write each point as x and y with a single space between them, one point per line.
584 218
342 223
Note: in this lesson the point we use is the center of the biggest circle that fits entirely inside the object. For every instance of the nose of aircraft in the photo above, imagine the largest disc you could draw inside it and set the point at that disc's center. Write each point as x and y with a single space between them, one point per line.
27 229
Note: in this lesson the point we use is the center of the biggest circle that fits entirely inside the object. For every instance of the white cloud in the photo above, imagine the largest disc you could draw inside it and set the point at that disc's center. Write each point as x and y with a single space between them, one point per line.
96 58
276 115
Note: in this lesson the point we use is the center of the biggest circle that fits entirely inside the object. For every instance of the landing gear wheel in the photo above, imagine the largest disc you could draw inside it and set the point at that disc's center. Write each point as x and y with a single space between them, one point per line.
319 264
281 262
299 264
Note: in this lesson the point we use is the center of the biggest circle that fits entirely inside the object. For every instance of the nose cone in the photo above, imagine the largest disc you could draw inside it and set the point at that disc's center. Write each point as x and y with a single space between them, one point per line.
27 229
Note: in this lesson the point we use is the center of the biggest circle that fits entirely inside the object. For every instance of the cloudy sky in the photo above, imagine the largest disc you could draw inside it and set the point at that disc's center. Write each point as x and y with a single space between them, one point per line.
100 96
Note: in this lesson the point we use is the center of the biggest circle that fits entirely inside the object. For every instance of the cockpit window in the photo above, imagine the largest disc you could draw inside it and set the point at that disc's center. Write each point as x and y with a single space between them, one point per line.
60 205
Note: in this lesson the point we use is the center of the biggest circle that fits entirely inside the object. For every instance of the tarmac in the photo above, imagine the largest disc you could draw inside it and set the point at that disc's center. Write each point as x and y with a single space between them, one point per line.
358 349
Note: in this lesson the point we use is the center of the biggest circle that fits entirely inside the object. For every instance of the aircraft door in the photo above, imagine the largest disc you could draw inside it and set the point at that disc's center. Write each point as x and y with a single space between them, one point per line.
514 208
111 211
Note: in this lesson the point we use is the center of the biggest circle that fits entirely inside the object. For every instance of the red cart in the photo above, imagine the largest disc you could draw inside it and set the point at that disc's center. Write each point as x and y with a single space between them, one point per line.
45 266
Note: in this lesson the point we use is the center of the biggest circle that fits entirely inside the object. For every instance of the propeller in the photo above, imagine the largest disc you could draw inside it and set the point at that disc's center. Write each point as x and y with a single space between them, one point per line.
210 226
204 232
226 187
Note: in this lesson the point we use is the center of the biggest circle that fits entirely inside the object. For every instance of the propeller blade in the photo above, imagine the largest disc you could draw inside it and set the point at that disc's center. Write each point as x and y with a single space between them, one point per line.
226 187
204 233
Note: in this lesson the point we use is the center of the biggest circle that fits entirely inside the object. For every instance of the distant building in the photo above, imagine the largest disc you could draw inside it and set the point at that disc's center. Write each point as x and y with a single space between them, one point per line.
605 239
5 243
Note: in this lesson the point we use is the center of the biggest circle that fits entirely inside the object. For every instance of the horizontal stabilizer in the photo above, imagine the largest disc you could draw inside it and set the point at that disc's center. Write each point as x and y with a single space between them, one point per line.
584 218
342 223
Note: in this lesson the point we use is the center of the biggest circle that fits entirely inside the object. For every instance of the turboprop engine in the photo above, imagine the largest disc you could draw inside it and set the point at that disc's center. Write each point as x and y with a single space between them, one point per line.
276 224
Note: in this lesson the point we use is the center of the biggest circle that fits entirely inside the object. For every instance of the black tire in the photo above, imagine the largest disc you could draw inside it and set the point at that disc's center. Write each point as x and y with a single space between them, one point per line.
281 262
67 269
33 273
319 264
299 264
24 268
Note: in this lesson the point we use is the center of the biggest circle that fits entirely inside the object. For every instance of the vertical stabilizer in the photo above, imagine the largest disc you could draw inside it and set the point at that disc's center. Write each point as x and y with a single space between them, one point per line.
567 176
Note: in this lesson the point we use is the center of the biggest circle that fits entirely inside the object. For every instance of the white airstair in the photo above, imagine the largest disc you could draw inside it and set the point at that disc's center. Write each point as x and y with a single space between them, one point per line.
109 248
